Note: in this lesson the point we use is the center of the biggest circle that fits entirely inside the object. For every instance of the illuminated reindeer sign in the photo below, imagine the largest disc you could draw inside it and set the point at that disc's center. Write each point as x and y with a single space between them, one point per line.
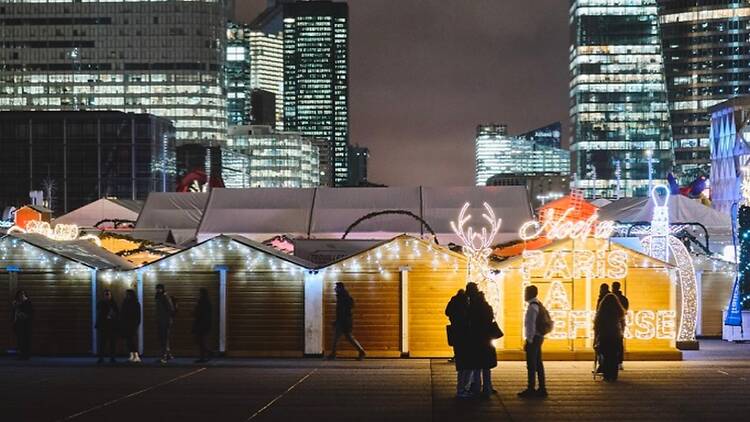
477 246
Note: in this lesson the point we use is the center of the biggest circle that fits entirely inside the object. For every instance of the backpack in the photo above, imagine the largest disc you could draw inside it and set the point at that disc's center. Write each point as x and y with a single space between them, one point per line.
544 323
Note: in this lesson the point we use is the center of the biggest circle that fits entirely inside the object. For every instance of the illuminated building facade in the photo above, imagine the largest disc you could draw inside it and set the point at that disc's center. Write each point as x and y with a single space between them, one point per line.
316 72
706 52
237 74
276 159
84 155
496 152
549 136
618 100
157 57
267 69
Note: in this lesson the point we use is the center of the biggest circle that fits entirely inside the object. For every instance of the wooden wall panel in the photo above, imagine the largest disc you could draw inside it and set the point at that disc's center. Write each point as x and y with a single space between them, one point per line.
716 288
7 337
376 312
429 293
62 312
265 314
185 287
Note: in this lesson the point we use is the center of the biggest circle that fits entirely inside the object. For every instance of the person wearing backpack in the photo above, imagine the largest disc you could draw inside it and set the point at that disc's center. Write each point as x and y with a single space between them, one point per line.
165 312
344 321
537 323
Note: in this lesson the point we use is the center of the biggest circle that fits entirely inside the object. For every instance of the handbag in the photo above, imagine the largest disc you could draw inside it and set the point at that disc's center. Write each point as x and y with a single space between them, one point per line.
495 331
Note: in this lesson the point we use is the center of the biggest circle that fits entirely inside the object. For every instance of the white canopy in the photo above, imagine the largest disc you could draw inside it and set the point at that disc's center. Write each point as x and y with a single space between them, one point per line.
179 212
102 209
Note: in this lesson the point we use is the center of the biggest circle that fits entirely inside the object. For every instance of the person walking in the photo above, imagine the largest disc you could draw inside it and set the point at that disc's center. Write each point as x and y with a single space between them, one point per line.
344 323
107 318
165 312
535 323
130 320
481 318
202 324
457 312
22 317
608 335
603 291
625 303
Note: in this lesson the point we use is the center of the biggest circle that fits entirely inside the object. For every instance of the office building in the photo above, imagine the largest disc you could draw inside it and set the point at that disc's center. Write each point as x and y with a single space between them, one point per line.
618 101
316 72
237 74
496 152
325 161
548 136
200 168
262 108
358 157
81 156
276 159
705 62
541 187
267 68
157 57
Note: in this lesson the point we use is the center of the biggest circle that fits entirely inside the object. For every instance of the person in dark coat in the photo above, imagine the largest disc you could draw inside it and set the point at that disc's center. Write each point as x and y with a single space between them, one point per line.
202 324
625 303
483 353
608 335
130 320
107 318
603 291
344 323
165 312
457 312
22 317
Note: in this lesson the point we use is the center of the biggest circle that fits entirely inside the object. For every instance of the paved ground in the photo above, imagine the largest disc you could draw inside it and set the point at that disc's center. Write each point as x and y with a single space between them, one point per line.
709 385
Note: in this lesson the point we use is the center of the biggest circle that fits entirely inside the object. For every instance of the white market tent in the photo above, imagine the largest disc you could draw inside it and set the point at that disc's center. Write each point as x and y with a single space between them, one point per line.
102 209
178 212
326 213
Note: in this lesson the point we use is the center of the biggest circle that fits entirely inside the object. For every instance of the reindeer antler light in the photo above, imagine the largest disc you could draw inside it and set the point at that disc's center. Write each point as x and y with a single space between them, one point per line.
470 237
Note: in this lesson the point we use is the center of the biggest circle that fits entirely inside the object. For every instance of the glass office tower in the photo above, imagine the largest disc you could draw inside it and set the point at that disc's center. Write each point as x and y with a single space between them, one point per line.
316 72
706 53
160 57
267 68
618 101
237 74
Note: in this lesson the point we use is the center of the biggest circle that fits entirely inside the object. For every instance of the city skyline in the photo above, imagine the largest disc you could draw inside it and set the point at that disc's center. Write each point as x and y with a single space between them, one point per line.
416 107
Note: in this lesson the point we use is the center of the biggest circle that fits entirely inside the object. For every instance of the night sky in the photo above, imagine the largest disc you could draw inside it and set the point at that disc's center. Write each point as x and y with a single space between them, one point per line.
424 73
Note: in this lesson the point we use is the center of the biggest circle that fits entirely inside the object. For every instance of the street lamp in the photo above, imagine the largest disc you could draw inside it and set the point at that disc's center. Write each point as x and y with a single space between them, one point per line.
650 160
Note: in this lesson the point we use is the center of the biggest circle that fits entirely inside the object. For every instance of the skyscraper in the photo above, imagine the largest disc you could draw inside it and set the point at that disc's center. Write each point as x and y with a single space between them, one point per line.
705 56
316 71
163 58
237 74
267 68
619 111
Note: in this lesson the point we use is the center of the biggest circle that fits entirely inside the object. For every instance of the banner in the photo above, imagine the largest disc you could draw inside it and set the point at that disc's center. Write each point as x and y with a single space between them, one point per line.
734 312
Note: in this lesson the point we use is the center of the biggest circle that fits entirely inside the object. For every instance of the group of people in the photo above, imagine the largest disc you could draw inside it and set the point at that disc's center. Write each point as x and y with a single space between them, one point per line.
609 329
114 321
473 328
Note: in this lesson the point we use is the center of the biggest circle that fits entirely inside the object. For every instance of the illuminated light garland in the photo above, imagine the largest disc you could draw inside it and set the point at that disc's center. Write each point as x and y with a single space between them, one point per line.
556 228
61 232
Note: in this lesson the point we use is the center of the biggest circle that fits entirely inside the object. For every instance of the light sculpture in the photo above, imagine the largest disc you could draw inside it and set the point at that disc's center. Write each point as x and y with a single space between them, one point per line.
60 233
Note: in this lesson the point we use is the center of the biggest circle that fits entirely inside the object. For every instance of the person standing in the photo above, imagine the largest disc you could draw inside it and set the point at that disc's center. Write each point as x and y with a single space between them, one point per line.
22 316
608 335
533 344
625 303
165 312
344 323
202 324
130 320
107 317
603 291
481 318
457 312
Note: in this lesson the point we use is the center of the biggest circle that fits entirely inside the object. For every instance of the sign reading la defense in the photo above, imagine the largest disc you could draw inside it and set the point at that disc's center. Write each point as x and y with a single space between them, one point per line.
570 271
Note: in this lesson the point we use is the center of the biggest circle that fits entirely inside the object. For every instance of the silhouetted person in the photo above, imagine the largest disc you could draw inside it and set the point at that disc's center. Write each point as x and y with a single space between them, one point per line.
202 324
625 303
165 312
22 317
344 322
483 353
533 345
603 291
130 320
107 318
608 335
457 312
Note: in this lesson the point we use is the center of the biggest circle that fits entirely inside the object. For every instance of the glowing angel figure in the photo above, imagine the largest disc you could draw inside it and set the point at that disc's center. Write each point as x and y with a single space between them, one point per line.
477 246
660 244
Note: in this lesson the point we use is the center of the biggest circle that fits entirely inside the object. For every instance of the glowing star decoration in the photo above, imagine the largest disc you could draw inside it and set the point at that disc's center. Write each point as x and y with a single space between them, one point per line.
61 232
562 227
477 247
660 245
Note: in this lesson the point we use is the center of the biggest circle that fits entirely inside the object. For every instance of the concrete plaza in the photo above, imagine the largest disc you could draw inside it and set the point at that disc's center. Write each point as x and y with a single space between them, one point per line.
711 384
